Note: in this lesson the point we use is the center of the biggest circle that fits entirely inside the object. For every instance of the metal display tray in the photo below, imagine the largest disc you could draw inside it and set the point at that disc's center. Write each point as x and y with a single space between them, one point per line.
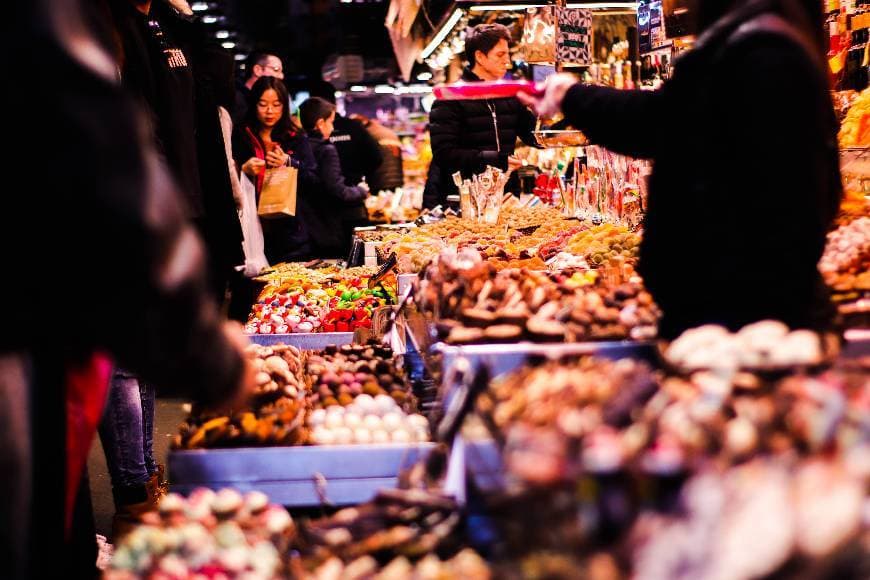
297 476
304 340
503 358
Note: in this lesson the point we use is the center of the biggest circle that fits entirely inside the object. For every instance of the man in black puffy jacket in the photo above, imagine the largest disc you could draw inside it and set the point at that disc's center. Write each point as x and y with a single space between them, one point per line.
469 135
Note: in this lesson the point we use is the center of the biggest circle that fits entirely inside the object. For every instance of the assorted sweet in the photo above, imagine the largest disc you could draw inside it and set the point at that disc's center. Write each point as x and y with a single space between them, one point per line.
208 535
477 304
355 394
762 345
846 261
397 523
301 300
855 129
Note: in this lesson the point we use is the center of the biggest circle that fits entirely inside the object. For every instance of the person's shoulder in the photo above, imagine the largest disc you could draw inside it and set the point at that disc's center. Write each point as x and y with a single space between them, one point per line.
770 34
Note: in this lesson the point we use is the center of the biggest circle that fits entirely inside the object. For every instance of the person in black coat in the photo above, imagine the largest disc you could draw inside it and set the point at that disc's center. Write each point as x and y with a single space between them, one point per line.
746 179
333 197
469 135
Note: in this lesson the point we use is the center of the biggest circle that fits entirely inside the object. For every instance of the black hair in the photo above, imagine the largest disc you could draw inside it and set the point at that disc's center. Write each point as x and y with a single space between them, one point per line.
256 58
483 37
314 109
285 124
323 89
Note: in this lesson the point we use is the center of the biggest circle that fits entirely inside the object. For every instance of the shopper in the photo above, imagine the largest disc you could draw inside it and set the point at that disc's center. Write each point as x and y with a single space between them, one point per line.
746 180
390 174
128 269
333 197
257 65
467 136
155 69
269 137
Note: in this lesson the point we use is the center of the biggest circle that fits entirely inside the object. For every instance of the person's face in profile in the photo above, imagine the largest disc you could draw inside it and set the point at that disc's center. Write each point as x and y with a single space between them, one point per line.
497 61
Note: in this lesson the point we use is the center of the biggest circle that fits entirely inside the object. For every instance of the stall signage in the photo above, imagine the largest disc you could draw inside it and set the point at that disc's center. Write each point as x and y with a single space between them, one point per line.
574 38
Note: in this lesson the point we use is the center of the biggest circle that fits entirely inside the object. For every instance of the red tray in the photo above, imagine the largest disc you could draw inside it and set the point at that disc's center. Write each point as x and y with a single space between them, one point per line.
484 90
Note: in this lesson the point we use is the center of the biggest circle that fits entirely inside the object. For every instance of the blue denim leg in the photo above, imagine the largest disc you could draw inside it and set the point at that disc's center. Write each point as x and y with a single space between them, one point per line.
121 432
147 396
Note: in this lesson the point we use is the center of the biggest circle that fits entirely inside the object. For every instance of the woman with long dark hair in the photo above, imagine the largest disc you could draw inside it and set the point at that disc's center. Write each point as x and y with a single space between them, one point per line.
746 179
270 138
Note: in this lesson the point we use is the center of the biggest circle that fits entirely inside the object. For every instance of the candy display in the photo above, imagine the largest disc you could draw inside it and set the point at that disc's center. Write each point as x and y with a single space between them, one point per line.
480 305
302 300
467 564
397 523
208 535
855 129
351 394
846 261
763 345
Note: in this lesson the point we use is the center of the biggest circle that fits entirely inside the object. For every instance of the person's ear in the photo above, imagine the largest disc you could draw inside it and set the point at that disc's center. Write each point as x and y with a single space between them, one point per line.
479 55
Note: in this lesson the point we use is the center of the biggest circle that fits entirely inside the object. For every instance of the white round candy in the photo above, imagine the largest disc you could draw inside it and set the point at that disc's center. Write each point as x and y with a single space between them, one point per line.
380 436
385 404
323 436
334 421
418 422
421 435
343 436
365 403
372 423
400 436
335 410
362 435
392 421
352 420
317 417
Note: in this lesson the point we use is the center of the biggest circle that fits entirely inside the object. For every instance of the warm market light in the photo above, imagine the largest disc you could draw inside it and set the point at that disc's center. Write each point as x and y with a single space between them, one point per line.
442 34
199 6
424 76
221 34
357 89
384 90
228 45
209 19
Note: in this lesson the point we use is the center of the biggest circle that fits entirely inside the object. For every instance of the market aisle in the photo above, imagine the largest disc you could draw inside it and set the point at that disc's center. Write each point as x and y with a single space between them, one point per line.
168 416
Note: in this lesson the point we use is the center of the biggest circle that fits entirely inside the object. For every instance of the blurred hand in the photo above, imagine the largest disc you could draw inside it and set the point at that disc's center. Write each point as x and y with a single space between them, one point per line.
235 335
364 186
276 157
253 166
549 102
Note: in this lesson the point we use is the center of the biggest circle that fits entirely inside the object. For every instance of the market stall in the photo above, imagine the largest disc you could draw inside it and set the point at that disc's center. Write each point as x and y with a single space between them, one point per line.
490 392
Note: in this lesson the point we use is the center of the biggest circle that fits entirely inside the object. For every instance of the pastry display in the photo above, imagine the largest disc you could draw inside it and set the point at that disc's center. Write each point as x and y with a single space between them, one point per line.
846 261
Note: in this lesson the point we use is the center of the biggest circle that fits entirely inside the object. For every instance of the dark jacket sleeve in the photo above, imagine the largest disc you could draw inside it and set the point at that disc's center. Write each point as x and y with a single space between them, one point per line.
303 159
623 121
445 129
331 179
526 126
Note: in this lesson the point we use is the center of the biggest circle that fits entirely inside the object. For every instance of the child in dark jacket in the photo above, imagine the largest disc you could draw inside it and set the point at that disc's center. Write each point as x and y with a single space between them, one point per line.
336 206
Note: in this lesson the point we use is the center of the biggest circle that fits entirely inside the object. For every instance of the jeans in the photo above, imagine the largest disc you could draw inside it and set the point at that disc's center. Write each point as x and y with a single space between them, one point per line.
127 431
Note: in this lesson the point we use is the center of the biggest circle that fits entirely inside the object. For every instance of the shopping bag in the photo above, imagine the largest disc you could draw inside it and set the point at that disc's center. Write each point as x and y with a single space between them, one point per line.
252 231
278 196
